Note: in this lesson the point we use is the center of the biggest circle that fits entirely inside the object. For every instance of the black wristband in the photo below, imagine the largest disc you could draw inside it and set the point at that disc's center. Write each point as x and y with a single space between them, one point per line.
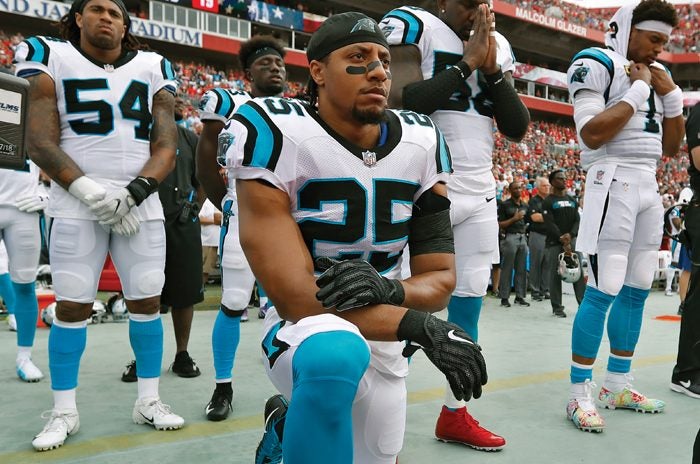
464 70
412 327
141 188
495 78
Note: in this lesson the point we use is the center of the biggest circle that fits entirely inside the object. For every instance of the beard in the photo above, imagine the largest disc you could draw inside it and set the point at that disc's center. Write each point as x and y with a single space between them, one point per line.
369 116
104 42
272 88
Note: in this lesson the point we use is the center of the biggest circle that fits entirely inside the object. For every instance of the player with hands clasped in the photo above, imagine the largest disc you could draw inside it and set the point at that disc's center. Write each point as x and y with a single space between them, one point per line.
455 67
344 178
101 126
628 112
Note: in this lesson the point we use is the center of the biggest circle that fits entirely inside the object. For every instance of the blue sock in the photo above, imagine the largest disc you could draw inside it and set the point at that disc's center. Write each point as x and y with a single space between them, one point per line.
66 346
327 369
464 311
619 364
625 320
224 343
7 292
588 328
146 339
26 313
580 374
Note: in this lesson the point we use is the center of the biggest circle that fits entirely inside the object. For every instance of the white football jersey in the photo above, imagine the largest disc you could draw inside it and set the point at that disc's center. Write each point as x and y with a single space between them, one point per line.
16 184
105 115
348 202
467 120
220 104
638 144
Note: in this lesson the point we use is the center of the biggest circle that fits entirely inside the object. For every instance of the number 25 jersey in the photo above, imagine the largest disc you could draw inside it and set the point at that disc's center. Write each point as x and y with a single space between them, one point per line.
104 114
348 202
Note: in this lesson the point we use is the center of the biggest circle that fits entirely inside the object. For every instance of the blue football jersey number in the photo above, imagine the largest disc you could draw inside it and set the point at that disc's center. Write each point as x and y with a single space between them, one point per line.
133 105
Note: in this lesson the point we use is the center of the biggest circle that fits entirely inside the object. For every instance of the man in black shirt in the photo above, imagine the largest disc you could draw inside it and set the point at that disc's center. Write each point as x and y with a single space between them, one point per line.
561 220
686 373
511 218
539 283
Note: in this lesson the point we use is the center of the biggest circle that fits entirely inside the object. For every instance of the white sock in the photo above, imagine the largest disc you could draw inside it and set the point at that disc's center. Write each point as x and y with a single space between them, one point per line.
578 390
263 301
452 402
148 388
64 399
229 380
615 382
23 352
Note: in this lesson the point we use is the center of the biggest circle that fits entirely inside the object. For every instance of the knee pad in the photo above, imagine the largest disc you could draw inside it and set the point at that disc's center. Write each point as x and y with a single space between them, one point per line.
235 299
611 272
150 283
338 355
24 276
641 269
75 284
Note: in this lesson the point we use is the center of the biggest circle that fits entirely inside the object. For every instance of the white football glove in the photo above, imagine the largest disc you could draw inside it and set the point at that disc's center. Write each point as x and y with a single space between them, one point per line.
127 226
115 205
87 190
32 203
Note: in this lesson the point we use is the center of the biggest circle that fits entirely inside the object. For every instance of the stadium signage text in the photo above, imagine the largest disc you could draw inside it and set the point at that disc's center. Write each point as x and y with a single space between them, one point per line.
548 21
53 11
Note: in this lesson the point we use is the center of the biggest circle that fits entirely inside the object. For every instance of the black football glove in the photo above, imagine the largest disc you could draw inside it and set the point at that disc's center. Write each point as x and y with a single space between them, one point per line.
449 348
354 283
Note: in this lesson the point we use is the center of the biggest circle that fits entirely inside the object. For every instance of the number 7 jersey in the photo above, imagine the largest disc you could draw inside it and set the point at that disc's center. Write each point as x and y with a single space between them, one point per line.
105 114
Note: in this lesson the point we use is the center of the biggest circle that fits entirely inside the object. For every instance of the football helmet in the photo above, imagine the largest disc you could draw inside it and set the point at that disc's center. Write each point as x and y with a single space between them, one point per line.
569 267
48 314
43 276
119 311
99 313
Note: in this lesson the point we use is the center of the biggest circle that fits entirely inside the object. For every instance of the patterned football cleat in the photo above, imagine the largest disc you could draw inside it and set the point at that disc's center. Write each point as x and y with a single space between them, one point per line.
583 413
629 398
269 449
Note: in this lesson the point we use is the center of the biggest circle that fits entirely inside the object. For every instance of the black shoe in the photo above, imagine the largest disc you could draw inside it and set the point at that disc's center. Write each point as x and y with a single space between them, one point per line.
129 374
546 296
680 309
521 302
505 302
559 313
219 406
269 450
686 386
184 366
537 298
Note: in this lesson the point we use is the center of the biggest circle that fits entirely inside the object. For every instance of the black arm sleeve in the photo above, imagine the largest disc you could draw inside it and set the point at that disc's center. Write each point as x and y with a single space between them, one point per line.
512 116
430 95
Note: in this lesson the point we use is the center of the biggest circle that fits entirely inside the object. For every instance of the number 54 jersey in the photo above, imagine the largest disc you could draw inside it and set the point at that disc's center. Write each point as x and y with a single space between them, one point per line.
104 114
347 201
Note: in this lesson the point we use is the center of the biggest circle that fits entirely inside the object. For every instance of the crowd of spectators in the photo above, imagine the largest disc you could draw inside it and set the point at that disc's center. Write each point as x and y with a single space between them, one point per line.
685 38
8 42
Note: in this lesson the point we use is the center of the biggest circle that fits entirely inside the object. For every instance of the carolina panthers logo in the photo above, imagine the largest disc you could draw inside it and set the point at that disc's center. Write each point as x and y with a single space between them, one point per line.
387 29
225 139
580 74
203 102
365 24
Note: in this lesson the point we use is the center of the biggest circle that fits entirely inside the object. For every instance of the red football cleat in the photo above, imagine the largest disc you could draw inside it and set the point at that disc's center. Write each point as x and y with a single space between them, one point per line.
460 427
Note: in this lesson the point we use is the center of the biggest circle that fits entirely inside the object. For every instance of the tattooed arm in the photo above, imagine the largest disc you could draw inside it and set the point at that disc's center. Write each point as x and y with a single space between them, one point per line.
44 133
163 137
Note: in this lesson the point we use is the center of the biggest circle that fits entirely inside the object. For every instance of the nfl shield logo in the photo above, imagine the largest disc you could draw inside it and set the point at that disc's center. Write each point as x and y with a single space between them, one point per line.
599 175
109 68
369 158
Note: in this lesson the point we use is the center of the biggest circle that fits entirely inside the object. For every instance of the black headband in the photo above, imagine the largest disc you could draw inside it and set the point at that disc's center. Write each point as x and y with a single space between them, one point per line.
261 52
79 5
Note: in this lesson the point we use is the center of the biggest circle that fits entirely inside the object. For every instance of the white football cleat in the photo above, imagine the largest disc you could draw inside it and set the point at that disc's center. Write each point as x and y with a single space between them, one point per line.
152 411
27 371
61 424
12 322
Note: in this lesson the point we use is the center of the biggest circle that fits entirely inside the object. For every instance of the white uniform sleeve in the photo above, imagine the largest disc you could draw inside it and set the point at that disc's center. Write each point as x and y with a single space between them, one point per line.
221 104
164 76
592 70
32 57
439 163
504 55
247 156
404 27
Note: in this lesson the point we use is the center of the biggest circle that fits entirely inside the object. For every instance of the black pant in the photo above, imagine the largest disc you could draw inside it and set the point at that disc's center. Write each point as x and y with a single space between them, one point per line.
552 258
688 363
